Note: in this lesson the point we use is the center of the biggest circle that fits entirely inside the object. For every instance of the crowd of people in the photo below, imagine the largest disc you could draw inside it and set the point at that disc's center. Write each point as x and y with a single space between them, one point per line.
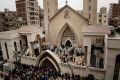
67 53
29 72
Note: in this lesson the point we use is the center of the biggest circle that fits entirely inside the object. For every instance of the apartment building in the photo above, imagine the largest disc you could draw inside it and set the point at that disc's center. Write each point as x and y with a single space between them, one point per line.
28 11
8 20
102 17
114 12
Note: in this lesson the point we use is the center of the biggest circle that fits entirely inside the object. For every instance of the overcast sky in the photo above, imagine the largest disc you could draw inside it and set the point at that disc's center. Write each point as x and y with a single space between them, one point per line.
76 4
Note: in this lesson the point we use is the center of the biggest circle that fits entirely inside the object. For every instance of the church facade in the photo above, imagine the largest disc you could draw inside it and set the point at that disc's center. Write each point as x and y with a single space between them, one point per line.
72 42
67 19
67 25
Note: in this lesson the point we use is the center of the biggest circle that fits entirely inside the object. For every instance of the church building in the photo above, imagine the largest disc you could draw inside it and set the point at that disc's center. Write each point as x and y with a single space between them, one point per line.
69 42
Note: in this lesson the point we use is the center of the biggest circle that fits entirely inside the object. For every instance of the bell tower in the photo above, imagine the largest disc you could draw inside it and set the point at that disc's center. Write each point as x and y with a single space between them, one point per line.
90 10
50 9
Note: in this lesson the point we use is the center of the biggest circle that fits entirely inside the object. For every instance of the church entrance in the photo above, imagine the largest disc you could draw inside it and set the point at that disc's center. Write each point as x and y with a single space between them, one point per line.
48 61
68 37
117 69
68 43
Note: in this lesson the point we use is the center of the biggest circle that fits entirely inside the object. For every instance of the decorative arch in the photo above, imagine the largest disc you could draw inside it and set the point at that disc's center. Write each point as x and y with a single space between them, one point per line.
51 57
49 61
63 29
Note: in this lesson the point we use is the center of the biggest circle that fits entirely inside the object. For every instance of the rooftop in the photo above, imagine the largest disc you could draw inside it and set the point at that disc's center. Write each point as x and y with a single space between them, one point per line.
96 29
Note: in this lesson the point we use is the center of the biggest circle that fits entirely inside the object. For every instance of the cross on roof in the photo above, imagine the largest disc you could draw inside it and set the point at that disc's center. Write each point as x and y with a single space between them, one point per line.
66 2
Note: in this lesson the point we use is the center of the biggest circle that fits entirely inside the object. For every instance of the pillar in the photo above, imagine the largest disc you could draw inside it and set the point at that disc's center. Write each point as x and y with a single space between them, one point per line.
88 55
105 51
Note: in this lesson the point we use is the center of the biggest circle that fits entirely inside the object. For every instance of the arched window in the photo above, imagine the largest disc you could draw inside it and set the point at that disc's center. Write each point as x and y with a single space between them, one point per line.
21 44
15 46
68 35
6 50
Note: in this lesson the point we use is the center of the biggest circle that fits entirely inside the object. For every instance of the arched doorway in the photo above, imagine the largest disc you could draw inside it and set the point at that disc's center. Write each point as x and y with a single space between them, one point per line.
117 68
68 43
48 60
67 32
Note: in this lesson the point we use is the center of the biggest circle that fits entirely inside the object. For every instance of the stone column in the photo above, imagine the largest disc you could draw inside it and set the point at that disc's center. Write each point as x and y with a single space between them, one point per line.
87 44
88 55
105 51
85 52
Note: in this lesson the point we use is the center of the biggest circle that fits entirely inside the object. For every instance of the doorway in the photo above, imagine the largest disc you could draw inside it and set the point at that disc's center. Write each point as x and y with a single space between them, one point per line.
68 43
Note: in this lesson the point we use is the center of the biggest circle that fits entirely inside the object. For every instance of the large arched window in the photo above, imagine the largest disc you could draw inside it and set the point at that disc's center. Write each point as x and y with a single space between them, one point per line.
15 46
68 35
6 50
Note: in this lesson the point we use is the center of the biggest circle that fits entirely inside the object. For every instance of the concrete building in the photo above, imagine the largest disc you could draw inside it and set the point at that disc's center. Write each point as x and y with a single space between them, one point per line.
113 58
90 10
102 17
28 10
19 40
114 12
8 20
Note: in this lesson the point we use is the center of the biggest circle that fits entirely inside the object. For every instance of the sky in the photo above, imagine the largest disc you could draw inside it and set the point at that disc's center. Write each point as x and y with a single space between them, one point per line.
75 4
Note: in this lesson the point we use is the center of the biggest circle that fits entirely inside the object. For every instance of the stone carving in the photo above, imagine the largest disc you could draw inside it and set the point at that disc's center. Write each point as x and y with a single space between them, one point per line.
67 14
